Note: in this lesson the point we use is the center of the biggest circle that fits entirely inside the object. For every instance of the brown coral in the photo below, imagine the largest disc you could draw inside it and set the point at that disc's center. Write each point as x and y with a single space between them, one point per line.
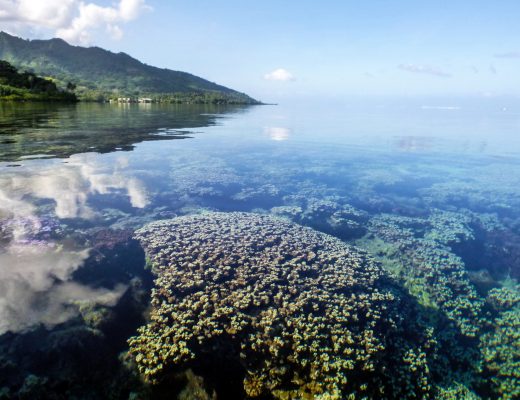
304 313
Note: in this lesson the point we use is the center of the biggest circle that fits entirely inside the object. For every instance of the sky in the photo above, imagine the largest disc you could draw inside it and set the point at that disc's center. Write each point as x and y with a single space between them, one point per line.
282 49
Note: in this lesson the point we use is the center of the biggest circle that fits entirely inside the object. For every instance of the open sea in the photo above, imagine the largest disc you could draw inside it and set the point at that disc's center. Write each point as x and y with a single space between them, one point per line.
405 285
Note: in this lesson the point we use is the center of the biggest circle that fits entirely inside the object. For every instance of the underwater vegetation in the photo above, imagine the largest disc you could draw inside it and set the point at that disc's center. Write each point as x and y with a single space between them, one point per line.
299 313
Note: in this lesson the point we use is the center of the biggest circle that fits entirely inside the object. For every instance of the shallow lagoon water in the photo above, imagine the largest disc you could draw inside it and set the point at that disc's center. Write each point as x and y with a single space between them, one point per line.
430 189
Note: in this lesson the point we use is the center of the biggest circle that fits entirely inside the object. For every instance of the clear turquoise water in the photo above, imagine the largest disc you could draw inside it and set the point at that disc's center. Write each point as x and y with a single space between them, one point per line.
397 178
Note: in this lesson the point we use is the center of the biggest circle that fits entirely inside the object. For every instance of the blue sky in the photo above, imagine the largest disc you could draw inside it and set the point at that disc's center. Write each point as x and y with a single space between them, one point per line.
323 49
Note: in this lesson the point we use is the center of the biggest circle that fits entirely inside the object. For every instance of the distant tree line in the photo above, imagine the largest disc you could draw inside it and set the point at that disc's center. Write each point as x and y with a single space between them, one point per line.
184 98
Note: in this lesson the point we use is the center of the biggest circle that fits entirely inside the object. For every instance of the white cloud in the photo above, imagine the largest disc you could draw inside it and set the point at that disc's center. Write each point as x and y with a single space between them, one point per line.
130 9
72 20
49 13
279 74
424 69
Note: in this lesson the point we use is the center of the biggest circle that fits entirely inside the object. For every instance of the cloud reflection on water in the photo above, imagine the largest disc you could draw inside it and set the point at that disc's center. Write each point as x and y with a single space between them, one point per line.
277 133
69 186
28 272
35 274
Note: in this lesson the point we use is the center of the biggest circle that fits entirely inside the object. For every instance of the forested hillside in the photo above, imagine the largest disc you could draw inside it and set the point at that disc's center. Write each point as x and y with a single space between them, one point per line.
26 86
99 74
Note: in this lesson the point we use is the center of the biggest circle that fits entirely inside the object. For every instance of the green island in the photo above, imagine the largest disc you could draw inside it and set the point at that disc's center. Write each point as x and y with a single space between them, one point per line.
95 74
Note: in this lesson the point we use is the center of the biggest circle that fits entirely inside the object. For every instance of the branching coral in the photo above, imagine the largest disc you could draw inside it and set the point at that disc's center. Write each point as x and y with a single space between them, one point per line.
330 215
455 392
449 227
501 346
428 267
306 315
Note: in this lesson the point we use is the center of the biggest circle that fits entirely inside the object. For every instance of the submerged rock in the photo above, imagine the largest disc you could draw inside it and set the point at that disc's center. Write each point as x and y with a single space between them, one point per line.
301 314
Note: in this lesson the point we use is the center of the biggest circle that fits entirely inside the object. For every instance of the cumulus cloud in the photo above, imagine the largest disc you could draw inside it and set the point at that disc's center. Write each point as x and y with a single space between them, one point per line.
509 54
50 13
279 74
424 69
72 20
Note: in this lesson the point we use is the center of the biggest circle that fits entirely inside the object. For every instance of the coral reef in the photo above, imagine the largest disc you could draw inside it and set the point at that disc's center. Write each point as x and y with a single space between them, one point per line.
426 265
448 227
194 388
417 253
332 215
501 344
258 193
204 176
305 315
455 392
487 189
502 253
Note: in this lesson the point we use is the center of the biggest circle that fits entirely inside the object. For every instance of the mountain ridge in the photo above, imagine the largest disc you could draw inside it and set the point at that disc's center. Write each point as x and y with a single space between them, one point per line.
100 74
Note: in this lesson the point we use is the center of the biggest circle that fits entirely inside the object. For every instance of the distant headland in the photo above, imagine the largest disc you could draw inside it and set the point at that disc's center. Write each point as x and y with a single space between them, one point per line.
95 74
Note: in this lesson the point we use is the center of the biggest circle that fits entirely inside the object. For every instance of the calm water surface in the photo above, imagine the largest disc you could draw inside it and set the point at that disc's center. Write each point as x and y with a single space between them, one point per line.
431 189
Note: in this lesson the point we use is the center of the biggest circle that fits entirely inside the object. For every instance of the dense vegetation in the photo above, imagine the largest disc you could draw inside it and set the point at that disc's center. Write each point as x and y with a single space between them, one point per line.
26 86
101 75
